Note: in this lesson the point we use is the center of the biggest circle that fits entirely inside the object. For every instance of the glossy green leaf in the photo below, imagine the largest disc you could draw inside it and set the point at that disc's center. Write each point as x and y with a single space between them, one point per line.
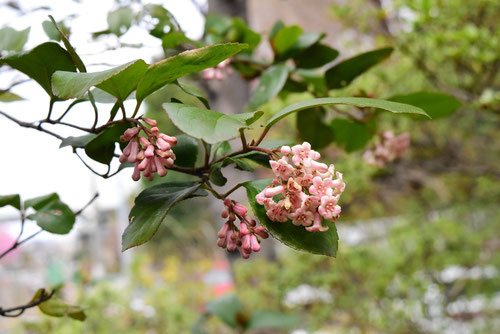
151 208
270 84
39 202
313 129
207 125
351 135
77 142
102 147
226 308
323 243
315 81
346 71
9 97
120 20
265 319
13 40
119 81
54 217
186 151
12 200
41 62
216 176
170 69
394 107
436 105
285 39
316 56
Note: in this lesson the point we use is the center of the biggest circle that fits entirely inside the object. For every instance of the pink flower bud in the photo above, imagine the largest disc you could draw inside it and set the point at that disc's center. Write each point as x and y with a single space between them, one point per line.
255 243
244 229
136 175
162 144
240 209
285 150
150 121
224 214
223 231
159 167
271 192
130 133
150 151
134 149
169 139
143 165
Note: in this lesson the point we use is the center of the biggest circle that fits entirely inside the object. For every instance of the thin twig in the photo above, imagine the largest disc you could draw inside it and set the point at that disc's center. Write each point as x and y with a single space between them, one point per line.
31 125
10 312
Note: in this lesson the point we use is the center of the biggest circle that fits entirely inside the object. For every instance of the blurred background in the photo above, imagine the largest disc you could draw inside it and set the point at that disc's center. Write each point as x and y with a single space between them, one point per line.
419 238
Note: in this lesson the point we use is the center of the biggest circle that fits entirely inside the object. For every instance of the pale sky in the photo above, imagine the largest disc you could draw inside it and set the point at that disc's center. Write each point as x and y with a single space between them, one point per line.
32 163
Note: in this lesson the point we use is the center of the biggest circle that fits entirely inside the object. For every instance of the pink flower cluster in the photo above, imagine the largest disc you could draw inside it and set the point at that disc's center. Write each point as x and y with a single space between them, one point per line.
150 154
389 148
304 190
243 236
219 72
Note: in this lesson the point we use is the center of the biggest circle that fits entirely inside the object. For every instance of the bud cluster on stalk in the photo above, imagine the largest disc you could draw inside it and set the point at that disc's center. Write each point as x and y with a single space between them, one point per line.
304 190
389 148
151 153
240 231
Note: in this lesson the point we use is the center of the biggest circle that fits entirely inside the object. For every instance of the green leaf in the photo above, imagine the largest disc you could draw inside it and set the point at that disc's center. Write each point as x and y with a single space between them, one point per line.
394 107
77 142
285 39
120 20
12 200
207 125
216 176
271 82
269 319
102 147
119 81
351 135
54 217
41 62
186 151
316 56
323 243
51 31
9 97
346 71
170 69
151 208
56 307
13 40
221 149
39 202
71 50
226 309
436 105
173 39
305 41
313 129
254 157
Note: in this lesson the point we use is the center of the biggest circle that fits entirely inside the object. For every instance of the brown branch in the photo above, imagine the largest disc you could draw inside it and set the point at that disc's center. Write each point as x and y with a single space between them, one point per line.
16 311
